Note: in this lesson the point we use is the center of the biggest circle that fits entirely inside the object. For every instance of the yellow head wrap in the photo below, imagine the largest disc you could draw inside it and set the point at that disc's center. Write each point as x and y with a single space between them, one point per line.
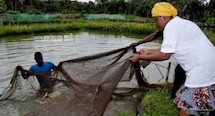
164 9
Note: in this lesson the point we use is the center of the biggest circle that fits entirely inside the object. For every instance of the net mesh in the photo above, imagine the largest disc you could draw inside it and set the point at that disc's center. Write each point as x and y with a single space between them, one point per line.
90 82
104 16
27 17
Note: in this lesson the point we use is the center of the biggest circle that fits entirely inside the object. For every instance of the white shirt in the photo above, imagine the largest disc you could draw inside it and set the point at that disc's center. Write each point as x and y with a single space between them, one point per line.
192 50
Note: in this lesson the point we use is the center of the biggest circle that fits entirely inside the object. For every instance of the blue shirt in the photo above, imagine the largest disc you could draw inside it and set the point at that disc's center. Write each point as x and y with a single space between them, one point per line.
45 69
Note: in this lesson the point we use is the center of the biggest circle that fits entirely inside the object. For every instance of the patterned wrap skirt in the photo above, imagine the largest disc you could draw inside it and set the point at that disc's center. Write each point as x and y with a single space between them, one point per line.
196 101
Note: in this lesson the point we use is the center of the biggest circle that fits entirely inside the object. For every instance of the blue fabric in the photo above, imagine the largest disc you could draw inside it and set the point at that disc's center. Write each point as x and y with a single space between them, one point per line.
45 69
196 101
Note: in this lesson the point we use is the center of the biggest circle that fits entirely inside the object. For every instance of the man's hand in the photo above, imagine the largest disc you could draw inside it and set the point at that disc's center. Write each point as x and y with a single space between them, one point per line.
144 51
134 58
25 73
137 56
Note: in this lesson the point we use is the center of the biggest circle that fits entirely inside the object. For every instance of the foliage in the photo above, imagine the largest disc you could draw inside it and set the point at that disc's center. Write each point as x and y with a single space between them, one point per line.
133 24
158 103
32 10
13 12
155 102
211 7
210 21
133 18
2 8
71 16
211 36
187 8
126 114
61 25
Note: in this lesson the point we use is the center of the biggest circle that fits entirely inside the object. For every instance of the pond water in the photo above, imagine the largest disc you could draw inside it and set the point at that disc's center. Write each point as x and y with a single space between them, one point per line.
20 50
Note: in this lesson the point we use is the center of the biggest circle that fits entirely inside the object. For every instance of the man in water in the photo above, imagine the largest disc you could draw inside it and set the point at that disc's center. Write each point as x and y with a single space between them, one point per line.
42 70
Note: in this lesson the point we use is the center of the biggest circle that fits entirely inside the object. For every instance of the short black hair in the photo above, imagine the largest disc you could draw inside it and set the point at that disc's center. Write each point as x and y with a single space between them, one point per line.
36 54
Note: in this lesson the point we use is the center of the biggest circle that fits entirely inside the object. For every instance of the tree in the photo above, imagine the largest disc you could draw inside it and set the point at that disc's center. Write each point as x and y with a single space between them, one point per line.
211 8
15 5
2 7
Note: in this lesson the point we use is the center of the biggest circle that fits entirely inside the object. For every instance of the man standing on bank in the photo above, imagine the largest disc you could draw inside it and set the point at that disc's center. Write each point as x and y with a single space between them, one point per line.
42 70
191 48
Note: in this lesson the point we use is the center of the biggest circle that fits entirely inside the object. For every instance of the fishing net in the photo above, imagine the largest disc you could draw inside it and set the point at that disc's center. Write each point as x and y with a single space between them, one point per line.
104 16
90 82
29 17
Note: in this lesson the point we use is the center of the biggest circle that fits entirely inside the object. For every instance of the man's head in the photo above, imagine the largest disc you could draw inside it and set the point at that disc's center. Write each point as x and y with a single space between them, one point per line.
38 58
162 13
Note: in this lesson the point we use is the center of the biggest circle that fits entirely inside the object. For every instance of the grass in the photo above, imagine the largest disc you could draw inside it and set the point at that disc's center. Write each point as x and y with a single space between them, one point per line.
143 28
211 36
158 103
155 102
79 24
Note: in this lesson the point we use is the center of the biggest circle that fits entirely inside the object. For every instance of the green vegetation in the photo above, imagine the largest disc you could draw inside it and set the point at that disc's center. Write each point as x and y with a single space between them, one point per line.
211 36
155 102
210 22
101 25
123 27
186 8
158 103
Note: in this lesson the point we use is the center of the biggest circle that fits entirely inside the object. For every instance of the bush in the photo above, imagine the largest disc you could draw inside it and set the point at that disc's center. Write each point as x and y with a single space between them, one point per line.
210 22
158 103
